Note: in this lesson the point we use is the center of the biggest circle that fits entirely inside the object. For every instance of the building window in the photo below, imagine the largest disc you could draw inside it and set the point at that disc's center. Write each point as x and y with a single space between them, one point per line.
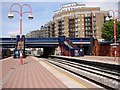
78 19
79 28
93 13
105 14
79 23
76 33
97 18
82 10
97 14
83 32
101 18
97 22
76 29
94 32
82 19
88 14
101 14
101 22
82 27
97 36
97 27
78 15
75 20
82 23
82 15
97 31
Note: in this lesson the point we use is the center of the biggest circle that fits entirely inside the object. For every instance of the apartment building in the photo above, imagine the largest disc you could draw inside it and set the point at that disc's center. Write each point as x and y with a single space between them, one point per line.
75 20
34 33
48 30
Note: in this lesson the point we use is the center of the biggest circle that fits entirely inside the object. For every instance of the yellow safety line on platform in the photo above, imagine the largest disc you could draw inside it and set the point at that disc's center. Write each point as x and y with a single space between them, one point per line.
64 74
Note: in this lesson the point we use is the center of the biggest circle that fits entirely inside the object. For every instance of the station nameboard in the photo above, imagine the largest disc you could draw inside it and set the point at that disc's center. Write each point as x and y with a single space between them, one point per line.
114 44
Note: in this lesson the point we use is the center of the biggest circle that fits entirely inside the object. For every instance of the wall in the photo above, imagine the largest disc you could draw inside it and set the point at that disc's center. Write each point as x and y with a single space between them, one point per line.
104 49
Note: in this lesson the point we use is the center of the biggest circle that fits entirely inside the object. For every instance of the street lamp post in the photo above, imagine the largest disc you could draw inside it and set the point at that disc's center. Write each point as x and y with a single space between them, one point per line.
107 19
30 16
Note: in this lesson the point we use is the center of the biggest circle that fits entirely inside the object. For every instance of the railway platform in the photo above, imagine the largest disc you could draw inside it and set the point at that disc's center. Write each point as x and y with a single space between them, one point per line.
101 59
36 73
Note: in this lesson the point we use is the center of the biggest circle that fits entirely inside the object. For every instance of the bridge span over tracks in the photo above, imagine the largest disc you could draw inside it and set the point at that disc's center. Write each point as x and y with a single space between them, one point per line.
49 44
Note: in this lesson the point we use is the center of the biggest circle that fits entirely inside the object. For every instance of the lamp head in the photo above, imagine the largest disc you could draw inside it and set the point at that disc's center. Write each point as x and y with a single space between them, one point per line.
30 16
107 18
10 15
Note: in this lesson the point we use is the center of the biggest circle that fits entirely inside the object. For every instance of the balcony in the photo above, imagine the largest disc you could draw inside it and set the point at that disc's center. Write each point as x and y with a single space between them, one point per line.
59 28
71 35
60 33
52 27
59 21
71 31
60 24
62 28
53 34
88 29
94 24
53 30
71 26
94 16
88 20
86 16
71 17
88 25
71 22
89 34
94 20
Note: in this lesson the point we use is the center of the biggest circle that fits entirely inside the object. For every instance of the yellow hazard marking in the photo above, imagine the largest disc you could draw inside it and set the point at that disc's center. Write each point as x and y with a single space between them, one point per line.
64 74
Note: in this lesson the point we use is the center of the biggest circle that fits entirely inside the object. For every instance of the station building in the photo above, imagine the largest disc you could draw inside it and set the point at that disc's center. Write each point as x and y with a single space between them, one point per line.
73 20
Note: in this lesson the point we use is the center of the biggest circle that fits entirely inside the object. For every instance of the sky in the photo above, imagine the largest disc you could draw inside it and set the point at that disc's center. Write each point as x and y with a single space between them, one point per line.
43 12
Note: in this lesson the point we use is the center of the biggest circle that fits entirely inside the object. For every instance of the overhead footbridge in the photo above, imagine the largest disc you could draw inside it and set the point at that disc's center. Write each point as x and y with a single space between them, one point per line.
48 43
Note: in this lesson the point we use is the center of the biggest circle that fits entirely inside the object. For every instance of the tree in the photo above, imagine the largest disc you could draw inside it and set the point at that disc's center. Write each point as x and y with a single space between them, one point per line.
108 30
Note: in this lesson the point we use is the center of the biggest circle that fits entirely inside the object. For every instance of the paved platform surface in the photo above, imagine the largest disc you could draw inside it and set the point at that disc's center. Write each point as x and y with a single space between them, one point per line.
103 59
32 75
35 73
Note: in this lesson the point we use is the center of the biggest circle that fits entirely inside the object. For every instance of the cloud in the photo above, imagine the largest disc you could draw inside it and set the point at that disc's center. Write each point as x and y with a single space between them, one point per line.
13 33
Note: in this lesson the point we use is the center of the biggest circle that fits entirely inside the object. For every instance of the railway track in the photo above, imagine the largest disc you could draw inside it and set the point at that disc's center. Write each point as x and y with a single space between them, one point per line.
105 78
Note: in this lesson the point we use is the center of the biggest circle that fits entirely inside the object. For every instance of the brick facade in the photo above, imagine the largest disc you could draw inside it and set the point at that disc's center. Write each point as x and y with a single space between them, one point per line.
104 49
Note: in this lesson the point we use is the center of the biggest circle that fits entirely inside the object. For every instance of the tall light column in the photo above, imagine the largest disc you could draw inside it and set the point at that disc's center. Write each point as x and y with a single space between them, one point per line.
10 15
115 44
